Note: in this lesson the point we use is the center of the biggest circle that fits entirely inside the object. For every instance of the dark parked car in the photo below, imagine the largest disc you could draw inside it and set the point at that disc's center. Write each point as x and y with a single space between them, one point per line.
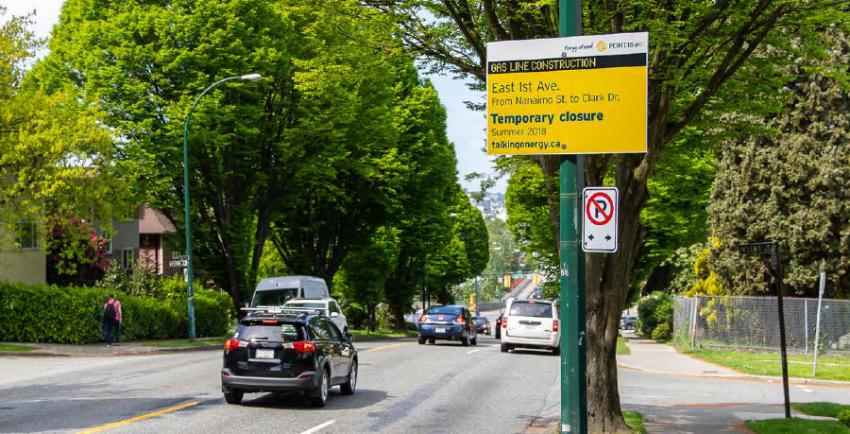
447 322
483 324
288 351
627 322
499 325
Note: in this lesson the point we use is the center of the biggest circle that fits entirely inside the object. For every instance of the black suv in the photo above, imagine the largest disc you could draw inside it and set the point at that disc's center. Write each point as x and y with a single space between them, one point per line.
288 351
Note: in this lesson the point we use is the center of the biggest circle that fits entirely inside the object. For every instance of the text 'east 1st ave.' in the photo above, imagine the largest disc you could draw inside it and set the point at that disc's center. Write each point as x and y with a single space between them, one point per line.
584 96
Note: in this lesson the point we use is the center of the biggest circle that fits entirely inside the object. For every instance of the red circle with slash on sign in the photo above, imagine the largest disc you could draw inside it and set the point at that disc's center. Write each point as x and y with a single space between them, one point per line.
595 211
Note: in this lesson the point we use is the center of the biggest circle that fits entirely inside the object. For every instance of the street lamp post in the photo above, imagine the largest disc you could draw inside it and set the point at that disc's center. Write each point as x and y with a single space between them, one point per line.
191 293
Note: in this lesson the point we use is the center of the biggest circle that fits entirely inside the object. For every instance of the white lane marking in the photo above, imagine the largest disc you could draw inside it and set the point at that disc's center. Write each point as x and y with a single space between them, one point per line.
470 352
806 390
319 427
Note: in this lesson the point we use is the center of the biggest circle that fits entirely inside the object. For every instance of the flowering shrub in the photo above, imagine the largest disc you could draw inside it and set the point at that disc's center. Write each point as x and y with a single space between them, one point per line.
76 255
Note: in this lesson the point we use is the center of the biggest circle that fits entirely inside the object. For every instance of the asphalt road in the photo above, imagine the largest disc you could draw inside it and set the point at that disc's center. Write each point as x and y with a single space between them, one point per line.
403 387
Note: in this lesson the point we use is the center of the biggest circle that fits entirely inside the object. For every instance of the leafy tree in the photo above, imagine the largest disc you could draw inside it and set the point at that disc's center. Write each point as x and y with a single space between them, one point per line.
703 63
428 188
55 159
528 210
302 148
352 140
462 250
676 214
364 275
502 246
792 185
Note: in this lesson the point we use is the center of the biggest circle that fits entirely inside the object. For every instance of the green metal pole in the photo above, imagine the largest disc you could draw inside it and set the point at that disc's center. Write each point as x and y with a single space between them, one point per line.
573 358
191 292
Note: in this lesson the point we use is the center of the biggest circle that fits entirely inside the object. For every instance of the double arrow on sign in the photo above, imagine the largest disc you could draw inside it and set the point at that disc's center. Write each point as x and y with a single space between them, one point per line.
591 237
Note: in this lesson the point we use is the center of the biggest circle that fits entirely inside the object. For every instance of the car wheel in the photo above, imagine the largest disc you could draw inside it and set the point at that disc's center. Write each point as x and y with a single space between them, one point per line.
348 387
556 351
421 340
505 348
432 341
319 397
233 396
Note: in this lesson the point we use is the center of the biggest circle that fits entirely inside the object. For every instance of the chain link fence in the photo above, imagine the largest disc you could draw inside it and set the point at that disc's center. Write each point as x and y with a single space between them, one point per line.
752 323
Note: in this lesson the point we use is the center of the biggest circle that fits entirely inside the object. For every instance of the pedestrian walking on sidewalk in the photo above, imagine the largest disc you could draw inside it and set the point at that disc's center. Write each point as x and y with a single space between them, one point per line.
112 321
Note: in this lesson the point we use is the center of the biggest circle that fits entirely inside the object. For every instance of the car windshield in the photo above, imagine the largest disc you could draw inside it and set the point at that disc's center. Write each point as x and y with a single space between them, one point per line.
278 333
311 305
537 310
274 297
442 309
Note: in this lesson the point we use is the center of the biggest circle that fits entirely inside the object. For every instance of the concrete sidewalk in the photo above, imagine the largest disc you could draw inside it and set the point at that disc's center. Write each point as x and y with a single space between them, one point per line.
649 356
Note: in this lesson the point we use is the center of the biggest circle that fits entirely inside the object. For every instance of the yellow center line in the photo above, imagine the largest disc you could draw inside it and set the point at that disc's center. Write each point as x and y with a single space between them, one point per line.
386 347
139 418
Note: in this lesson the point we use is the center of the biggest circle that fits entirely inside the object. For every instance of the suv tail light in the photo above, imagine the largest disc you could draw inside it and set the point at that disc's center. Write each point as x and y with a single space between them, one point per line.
554 325
460 320
304 346
423 318
505 322
269 321
231 344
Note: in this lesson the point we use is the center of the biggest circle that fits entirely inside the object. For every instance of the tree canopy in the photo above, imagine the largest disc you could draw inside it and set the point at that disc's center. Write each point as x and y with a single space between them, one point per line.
791 184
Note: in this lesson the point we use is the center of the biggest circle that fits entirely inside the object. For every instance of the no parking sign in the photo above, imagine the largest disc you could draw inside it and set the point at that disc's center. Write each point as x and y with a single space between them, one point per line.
600 228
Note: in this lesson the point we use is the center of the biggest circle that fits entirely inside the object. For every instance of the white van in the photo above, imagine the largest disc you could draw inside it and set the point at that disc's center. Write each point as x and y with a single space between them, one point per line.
276 291
531 324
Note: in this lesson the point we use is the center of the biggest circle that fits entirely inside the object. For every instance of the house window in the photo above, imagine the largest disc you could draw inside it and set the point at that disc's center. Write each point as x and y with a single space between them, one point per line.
127 258
26 235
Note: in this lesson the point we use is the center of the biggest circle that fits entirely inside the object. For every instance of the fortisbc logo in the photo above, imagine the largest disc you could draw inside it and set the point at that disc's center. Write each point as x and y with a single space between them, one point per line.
601 46
625 45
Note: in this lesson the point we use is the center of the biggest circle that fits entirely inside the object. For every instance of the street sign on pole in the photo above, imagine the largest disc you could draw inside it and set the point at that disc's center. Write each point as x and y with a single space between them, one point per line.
571 96
600 227
178 264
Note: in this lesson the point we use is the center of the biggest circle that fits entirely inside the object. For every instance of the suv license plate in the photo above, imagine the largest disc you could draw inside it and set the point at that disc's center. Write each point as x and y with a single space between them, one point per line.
441 330
264 354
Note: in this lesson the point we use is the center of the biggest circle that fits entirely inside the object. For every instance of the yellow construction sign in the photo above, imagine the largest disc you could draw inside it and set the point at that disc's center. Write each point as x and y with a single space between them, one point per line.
577 95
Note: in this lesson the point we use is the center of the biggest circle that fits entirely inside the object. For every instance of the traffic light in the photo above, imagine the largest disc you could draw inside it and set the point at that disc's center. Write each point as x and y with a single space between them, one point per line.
536 279
507 280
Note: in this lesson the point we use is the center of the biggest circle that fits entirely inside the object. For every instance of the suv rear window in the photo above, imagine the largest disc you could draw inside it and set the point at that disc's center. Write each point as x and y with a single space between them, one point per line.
443 309
272 333
536 310
275 297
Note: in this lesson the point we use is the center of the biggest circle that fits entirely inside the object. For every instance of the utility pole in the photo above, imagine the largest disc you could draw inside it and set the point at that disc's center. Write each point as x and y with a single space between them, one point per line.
573 355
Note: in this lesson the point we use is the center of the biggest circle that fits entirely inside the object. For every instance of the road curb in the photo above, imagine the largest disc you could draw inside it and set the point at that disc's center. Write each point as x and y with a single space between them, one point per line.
30 354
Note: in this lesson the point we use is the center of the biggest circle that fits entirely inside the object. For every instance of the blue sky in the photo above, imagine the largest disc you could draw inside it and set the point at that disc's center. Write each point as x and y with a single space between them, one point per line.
466 128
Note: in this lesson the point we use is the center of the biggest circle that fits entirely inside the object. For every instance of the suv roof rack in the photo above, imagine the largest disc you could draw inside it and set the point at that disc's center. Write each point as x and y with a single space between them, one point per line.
275 311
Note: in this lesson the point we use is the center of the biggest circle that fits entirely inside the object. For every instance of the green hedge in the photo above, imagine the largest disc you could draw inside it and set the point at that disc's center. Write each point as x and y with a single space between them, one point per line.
42 313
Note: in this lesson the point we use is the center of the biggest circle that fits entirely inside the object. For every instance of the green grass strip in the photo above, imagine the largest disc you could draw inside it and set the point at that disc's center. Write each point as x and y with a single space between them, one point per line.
621 346
799 365
825 409
634 419
797 426
15 348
